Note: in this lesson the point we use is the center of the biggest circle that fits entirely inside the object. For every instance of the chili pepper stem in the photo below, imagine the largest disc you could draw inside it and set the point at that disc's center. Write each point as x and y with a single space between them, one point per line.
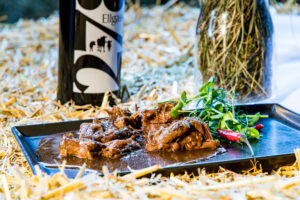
244 139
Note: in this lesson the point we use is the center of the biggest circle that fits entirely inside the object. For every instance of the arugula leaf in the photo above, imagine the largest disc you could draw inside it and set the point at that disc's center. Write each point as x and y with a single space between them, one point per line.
253 133
254 119
206 86
175 111
183 98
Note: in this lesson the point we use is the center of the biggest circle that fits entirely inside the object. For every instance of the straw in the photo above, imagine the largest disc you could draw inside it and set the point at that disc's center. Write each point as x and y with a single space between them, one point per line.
28 71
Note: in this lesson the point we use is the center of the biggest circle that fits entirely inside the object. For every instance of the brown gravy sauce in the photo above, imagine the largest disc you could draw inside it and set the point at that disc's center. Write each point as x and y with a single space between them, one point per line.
49 156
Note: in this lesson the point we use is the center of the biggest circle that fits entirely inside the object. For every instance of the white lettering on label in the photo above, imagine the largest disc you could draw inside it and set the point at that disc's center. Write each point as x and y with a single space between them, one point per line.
102 45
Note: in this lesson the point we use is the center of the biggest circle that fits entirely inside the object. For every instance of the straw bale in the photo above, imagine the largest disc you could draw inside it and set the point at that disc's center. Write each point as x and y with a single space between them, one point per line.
157 65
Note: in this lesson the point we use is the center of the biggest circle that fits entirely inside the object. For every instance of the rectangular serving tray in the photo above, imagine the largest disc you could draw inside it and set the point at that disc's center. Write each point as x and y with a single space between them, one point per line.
281 136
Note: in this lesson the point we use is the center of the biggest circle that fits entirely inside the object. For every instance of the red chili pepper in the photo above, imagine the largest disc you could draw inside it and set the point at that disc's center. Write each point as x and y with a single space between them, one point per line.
229 135
259 127
235 137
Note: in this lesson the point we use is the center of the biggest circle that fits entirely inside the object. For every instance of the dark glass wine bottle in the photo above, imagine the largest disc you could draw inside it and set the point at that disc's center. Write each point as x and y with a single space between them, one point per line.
90 49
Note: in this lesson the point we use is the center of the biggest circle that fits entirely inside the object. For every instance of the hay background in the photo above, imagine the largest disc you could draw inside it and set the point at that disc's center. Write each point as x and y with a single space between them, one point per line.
157 65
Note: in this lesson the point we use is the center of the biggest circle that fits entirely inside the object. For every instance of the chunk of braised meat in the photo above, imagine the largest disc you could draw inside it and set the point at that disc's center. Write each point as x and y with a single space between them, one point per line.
160 115
117 148
89 130
195 141
185 134
170 133
124 122
200 126
117 112
114 134
86 130
171 147
106 130
82 148
156 118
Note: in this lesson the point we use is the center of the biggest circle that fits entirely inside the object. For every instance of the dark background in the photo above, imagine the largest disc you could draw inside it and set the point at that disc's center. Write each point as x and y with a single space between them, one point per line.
12 10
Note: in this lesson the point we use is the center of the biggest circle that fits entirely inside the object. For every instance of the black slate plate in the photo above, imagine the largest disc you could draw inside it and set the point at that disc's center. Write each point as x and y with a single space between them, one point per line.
281 136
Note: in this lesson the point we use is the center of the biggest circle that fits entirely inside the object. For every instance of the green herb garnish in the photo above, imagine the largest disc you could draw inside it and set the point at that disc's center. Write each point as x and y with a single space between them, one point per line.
215 107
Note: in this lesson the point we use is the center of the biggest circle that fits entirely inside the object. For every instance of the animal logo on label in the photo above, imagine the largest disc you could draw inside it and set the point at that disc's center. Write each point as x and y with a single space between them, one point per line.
102 44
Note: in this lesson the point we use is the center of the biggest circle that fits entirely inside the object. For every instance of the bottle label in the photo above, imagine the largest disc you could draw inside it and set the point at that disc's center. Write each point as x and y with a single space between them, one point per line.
97 45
